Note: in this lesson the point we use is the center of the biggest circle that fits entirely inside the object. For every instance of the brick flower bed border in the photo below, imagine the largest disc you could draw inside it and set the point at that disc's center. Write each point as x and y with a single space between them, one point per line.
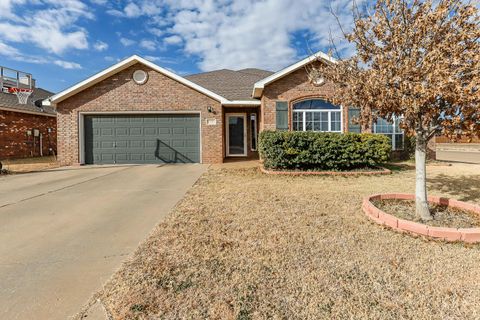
468 235
326 173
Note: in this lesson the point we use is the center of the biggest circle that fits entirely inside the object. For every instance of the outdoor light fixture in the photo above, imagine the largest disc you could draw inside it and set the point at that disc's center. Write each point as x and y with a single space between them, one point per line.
210 109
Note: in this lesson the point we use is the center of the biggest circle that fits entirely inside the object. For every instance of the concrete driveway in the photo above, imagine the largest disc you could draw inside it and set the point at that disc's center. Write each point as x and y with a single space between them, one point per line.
64 232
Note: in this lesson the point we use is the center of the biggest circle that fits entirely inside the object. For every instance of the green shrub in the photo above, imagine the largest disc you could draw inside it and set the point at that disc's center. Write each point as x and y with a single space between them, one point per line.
294 150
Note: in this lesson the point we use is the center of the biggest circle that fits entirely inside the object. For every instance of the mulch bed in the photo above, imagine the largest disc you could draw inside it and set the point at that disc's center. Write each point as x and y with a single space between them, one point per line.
443 216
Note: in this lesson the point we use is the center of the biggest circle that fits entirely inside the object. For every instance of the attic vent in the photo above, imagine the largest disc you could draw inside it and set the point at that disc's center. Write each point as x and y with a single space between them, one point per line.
140 77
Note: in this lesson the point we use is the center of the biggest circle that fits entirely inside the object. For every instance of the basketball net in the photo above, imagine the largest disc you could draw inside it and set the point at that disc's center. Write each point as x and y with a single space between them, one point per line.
22 94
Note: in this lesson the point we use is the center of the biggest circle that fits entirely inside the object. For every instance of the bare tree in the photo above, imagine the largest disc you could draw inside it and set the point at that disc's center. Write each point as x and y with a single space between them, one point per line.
419 60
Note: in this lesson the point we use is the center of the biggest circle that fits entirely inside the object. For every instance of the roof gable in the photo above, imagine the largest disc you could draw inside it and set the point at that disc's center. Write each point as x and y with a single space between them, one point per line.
122 65
260 85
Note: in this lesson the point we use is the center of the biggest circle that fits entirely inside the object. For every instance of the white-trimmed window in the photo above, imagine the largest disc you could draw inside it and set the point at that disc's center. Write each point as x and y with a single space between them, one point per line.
391 130
316 115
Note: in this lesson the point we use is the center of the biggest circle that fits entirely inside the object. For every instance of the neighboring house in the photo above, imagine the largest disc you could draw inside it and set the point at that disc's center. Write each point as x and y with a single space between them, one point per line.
26 130
138 112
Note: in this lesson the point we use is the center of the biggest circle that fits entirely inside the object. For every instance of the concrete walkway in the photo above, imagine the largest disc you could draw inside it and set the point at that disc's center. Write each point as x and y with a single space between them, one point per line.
64 232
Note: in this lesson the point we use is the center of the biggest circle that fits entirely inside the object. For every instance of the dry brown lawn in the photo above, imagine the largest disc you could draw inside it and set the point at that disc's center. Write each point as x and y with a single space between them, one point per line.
29 164
244 245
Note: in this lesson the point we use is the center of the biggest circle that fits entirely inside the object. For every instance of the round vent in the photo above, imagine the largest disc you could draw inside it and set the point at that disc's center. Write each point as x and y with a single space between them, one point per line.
140 76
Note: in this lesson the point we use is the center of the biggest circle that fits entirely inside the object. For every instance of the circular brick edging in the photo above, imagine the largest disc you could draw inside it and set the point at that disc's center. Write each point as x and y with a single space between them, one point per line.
326 173
468 235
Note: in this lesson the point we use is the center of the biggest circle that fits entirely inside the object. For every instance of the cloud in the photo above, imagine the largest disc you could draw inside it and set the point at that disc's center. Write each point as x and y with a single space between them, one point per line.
127 42
100 46
148 44
132 10
14 54
173 40
7 50
241 34
67 64
162 60
48 24
137 9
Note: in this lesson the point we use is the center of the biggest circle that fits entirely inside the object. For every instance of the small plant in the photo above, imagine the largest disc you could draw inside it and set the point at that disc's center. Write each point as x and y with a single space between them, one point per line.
138 308
291 150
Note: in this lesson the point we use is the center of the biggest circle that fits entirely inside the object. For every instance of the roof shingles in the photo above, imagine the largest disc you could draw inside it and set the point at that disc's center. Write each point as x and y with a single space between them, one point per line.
230 84
10 101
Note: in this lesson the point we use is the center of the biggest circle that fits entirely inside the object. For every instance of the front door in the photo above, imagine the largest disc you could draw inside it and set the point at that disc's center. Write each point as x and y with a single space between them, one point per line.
236 133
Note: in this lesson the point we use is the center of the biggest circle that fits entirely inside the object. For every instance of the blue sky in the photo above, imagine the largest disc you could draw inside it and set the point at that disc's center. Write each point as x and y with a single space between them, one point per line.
62 42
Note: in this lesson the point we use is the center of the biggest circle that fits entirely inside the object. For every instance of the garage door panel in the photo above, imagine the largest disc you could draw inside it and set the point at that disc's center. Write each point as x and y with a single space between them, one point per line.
164 130
121 157
150 157
121 132
104 120
136 132
191 144
136 144
107 145
106 132
178 131
178 143
142 138
107 157
164 119
150 131
150 120
192 131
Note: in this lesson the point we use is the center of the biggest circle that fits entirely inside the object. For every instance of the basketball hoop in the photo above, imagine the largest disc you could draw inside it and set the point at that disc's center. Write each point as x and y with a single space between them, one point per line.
22 94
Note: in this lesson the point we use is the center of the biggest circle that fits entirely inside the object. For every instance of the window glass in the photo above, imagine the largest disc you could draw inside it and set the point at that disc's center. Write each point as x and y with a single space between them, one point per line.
253 131
298 121
314 104
392 131
336 121
353 126
316 115
324 121
382 126
399 141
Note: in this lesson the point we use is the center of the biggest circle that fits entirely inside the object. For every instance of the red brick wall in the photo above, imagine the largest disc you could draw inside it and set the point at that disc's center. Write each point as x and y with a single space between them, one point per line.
120 93
14 141
292 88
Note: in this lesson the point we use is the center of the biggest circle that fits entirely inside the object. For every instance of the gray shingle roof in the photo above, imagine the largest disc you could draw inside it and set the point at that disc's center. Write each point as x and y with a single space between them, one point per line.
10 101
230 84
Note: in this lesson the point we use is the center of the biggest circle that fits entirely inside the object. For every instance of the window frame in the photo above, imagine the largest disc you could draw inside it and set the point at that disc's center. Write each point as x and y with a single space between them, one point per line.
392 134
253 134
312 111
328 111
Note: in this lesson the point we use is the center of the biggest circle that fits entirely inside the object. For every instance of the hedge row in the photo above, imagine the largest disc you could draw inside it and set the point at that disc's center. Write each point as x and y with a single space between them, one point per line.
293 150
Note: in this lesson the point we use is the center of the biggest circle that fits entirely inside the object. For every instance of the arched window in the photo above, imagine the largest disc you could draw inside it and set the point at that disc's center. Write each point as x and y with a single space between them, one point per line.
316 115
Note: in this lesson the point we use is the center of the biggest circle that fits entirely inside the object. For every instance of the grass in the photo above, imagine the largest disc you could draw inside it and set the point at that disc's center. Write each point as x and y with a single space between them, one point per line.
29 164
244 245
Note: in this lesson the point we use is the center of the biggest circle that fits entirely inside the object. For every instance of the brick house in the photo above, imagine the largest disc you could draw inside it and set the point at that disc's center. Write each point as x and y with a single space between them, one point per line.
138 112
26 130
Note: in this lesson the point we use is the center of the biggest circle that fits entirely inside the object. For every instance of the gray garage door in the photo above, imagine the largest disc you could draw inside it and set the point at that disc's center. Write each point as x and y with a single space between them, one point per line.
146 138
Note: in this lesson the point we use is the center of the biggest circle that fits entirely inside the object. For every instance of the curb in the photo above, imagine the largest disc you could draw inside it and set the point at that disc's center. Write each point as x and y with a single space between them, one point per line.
326 173
468 235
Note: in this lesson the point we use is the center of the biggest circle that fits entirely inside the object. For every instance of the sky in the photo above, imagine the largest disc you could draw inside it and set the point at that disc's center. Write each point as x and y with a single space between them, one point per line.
62 42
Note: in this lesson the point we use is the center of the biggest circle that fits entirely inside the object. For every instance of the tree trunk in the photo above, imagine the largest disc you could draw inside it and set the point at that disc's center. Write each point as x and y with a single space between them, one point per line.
421 203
